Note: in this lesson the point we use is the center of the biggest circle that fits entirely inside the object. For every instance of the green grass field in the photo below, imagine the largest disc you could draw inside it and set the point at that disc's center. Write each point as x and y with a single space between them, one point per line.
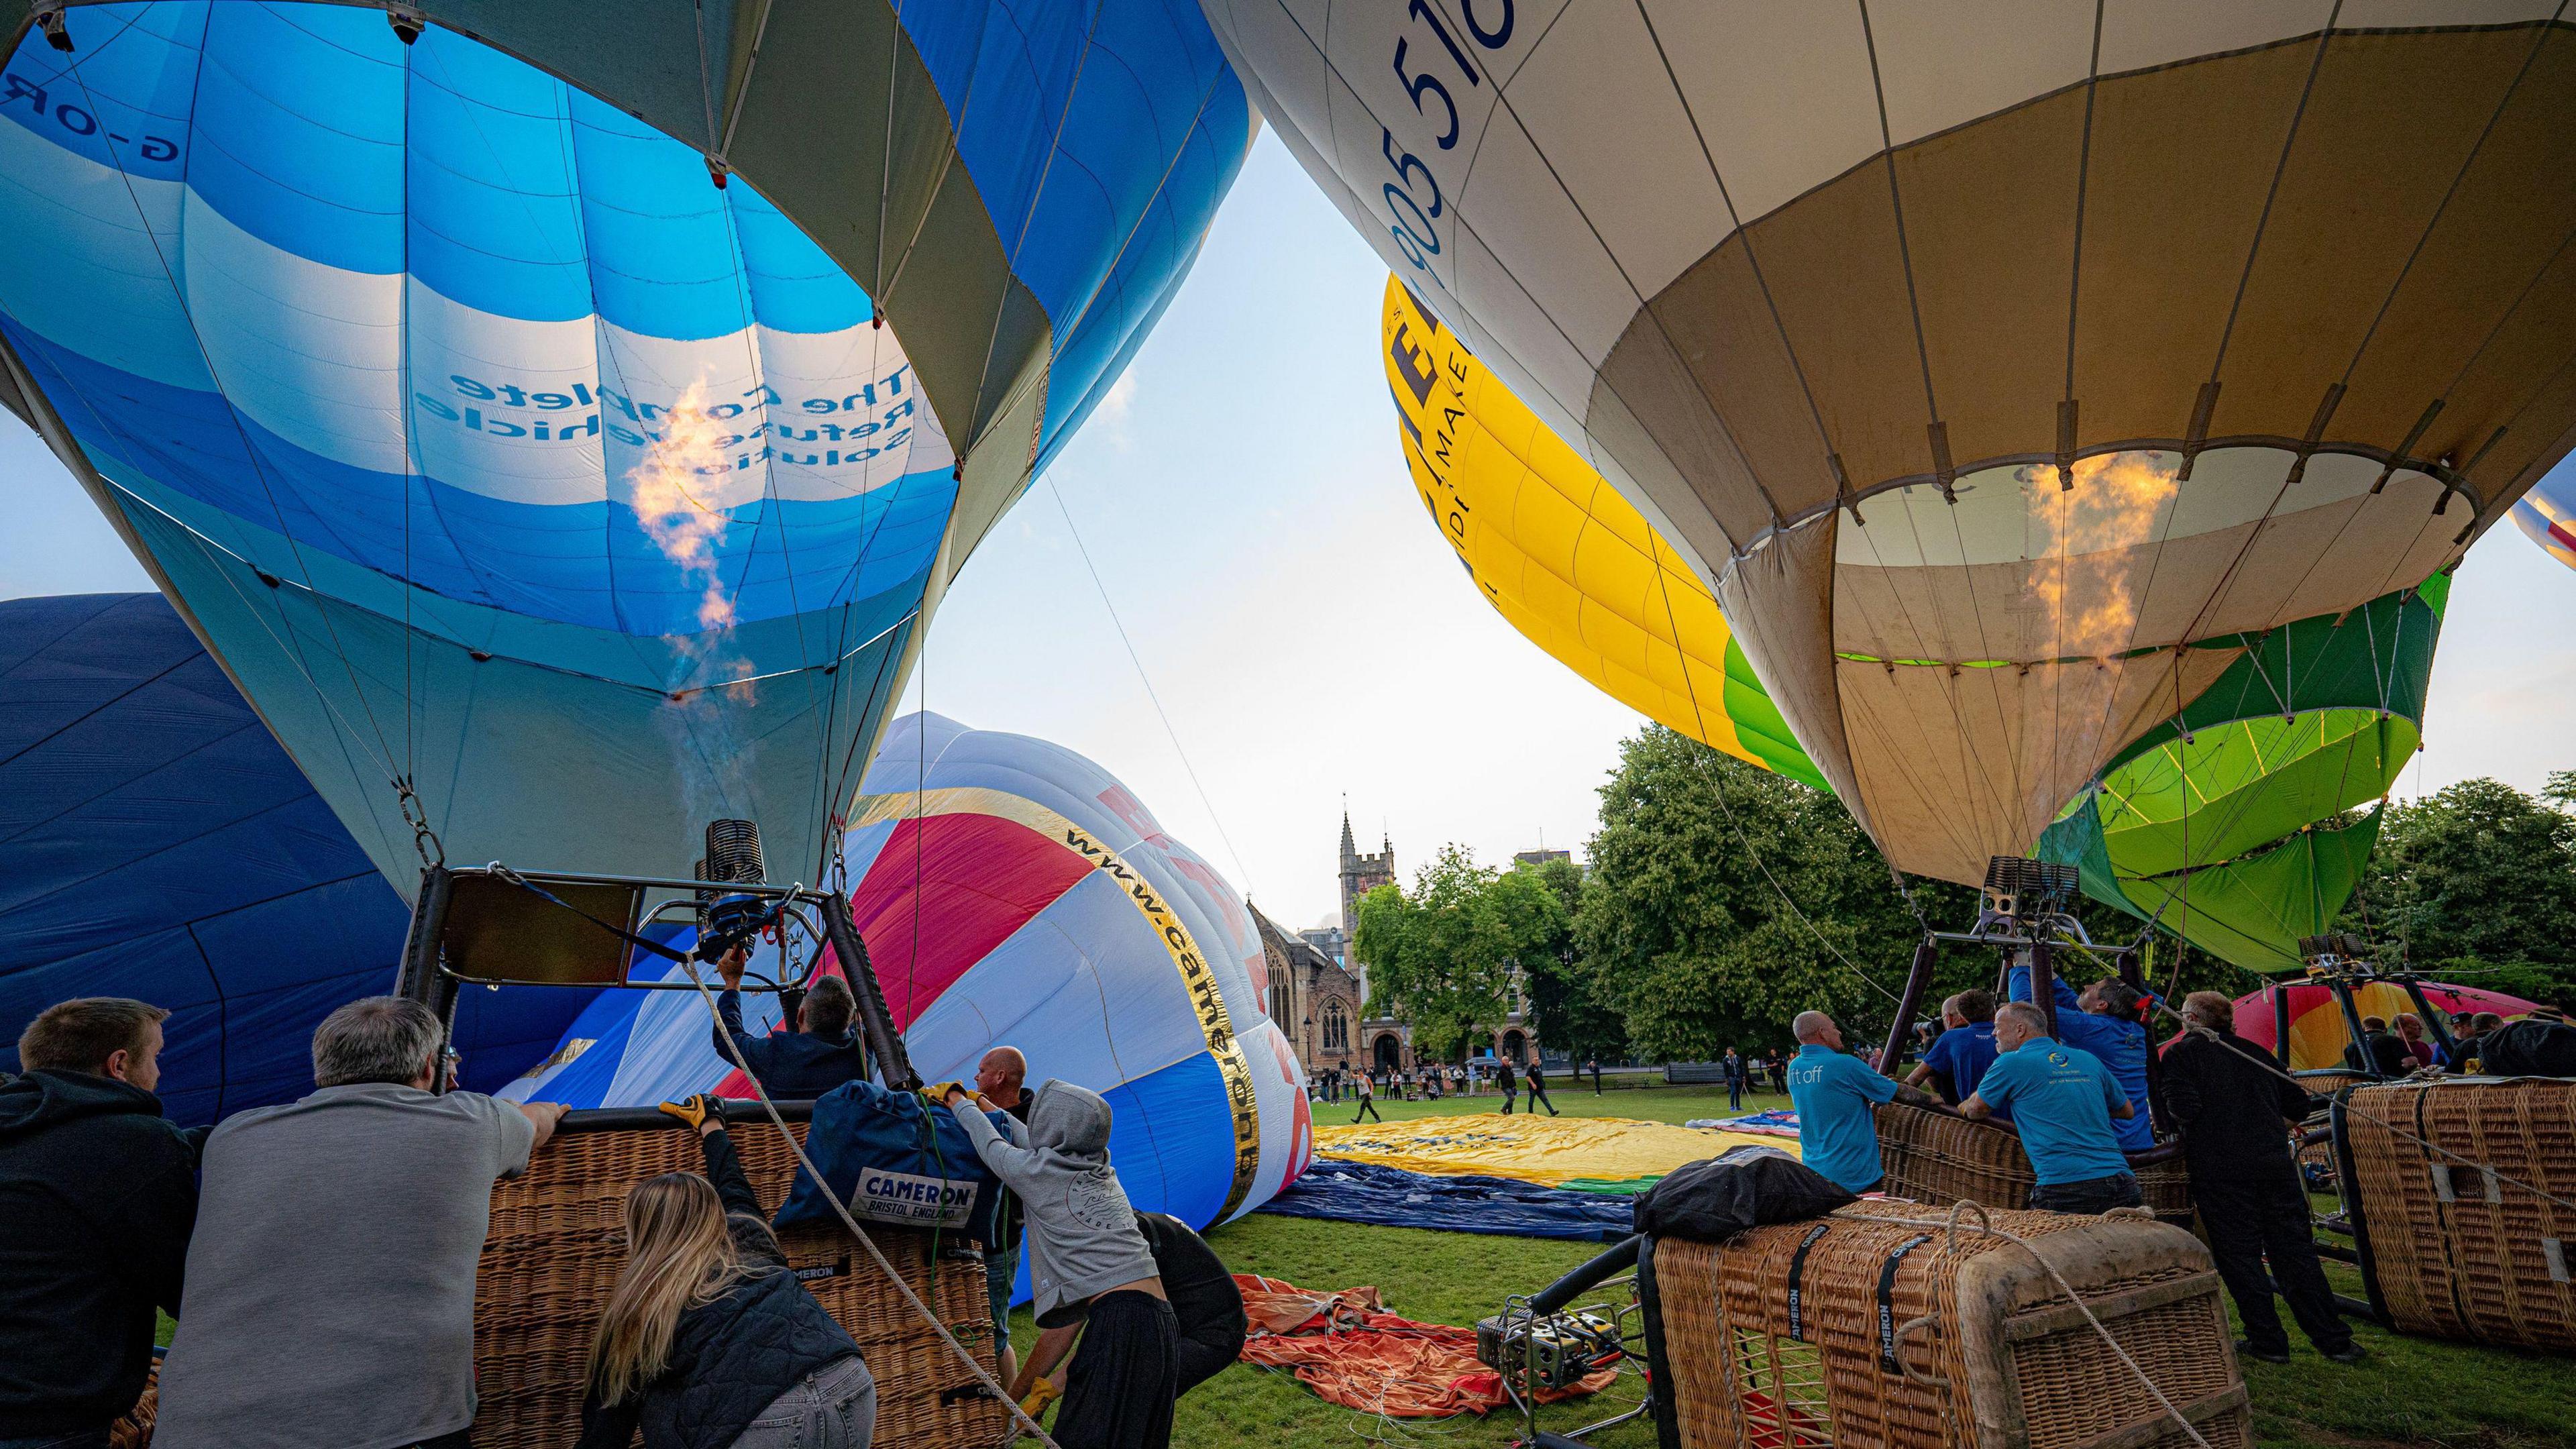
2412 1392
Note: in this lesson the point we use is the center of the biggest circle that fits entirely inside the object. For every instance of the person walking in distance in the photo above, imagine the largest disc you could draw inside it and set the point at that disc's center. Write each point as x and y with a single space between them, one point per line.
1538 1089
1506 1083
1732 1067
1366 1095
1593 1065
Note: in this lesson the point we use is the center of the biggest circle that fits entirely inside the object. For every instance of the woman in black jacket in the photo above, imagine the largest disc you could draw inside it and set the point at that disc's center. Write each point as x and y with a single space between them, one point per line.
708 1341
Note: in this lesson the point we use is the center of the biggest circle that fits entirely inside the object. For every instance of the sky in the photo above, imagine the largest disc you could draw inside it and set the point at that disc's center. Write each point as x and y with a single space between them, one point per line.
1243 500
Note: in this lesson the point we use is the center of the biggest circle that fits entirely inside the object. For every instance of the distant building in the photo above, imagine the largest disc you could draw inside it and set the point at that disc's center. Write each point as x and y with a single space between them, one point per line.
1385 1041
1314 999
1540 856
1360 875
1331 941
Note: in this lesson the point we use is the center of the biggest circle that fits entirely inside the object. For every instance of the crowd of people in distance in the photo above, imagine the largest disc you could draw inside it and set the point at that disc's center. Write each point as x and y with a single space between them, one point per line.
2078 1099
320 1256
1431 1081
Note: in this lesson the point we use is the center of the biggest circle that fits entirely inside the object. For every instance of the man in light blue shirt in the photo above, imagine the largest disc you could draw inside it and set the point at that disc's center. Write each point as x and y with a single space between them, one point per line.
2104 1021
1834 1092
2064 1100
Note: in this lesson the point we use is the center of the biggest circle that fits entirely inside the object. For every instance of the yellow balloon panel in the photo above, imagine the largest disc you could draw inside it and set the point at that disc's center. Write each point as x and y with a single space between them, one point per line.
1561 555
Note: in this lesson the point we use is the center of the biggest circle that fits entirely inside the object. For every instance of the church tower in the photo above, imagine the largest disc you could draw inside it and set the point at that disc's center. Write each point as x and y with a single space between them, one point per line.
1360 875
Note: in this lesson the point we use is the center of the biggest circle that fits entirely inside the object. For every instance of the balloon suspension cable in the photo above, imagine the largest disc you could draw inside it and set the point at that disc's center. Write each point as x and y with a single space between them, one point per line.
1147 680
1906 893
1756 856
424 839
840 1209
1710 770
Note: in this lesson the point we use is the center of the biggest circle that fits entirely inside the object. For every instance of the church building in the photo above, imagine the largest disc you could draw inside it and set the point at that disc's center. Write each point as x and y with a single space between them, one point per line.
1314 999
1386 1042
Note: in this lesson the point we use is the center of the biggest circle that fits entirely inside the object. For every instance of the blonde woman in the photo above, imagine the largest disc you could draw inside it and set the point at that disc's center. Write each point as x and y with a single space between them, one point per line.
708 1341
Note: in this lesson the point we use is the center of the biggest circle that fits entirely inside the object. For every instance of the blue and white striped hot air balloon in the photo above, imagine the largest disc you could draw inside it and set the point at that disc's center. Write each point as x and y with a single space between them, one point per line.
562 425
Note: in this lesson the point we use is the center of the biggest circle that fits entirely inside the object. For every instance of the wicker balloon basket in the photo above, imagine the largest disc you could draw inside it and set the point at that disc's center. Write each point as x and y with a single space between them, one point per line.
1936 1158
1865 1333
2456 1242
556 1246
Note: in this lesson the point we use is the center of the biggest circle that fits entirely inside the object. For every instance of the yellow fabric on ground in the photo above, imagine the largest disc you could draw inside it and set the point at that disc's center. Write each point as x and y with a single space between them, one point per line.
1550 1151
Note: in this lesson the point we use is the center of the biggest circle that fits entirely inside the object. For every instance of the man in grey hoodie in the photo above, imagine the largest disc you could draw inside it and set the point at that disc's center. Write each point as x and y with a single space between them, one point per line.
1088 1263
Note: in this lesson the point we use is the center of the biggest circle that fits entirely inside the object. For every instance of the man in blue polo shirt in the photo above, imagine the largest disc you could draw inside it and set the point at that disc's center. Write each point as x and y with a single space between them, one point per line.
1957 1059
1834 1092
2064 1100
2104 1021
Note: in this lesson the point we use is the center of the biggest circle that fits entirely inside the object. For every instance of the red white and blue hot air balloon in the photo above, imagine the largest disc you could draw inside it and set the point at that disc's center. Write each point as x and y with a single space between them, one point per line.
1012 892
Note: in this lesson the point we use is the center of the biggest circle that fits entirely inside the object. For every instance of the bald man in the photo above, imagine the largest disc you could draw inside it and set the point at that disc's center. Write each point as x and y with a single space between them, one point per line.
999 1077
1834 1092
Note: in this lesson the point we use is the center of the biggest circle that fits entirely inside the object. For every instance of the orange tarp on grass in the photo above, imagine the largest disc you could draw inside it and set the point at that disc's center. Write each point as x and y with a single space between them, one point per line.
1349 1350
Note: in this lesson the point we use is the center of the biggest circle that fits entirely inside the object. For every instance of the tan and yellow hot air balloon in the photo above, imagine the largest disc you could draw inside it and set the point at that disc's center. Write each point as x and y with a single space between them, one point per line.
2009 369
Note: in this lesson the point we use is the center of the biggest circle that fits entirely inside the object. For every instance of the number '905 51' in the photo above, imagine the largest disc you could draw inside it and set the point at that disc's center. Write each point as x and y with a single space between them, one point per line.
1413 201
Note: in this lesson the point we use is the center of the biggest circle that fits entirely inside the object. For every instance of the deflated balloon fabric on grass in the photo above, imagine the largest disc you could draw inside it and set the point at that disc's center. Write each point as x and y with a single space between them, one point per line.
1349 1350
1390 1197
1600 1154
1778 1122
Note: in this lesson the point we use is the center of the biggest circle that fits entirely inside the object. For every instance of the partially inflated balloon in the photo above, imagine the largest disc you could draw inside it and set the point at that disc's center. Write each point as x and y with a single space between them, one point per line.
1989 358
1574 566
2547 514
562 424
156 843
1013 893
2225 823
2319 1032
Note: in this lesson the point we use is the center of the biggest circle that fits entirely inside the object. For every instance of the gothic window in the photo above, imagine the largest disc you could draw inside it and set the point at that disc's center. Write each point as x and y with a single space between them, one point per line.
1279 1003
1337 1027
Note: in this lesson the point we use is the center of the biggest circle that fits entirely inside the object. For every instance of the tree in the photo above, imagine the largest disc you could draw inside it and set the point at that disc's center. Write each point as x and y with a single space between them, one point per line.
1441 958
1567 1003
2478 882
1693 937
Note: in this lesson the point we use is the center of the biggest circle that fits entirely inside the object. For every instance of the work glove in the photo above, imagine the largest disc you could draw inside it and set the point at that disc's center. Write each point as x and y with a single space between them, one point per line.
1043 1393
694 1111
936 1094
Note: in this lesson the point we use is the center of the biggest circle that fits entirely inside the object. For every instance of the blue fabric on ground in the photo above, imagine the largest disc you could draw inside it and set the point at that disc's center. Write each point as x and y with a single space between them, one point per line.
1390 1197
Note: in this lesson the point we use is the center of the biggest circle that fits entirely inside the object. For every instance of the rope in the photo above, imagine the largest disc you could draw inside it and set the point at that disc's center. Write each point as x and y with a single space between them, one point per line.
1951 1225
1242 871
733 1047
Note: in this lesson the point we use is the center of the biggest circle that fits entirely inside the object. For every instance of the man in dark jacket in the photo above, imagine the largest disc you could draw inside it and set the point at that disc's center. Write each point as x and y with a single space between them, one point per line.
1732 1067
805 1062
2236 1113
1538 1089
1508 1084
2379 1051
98 1194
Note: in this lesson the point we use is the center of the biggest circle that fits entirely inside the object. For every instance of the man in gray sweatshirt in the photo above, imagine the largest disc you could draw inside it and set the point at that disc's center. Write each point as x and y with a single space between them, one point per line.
1088 1263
